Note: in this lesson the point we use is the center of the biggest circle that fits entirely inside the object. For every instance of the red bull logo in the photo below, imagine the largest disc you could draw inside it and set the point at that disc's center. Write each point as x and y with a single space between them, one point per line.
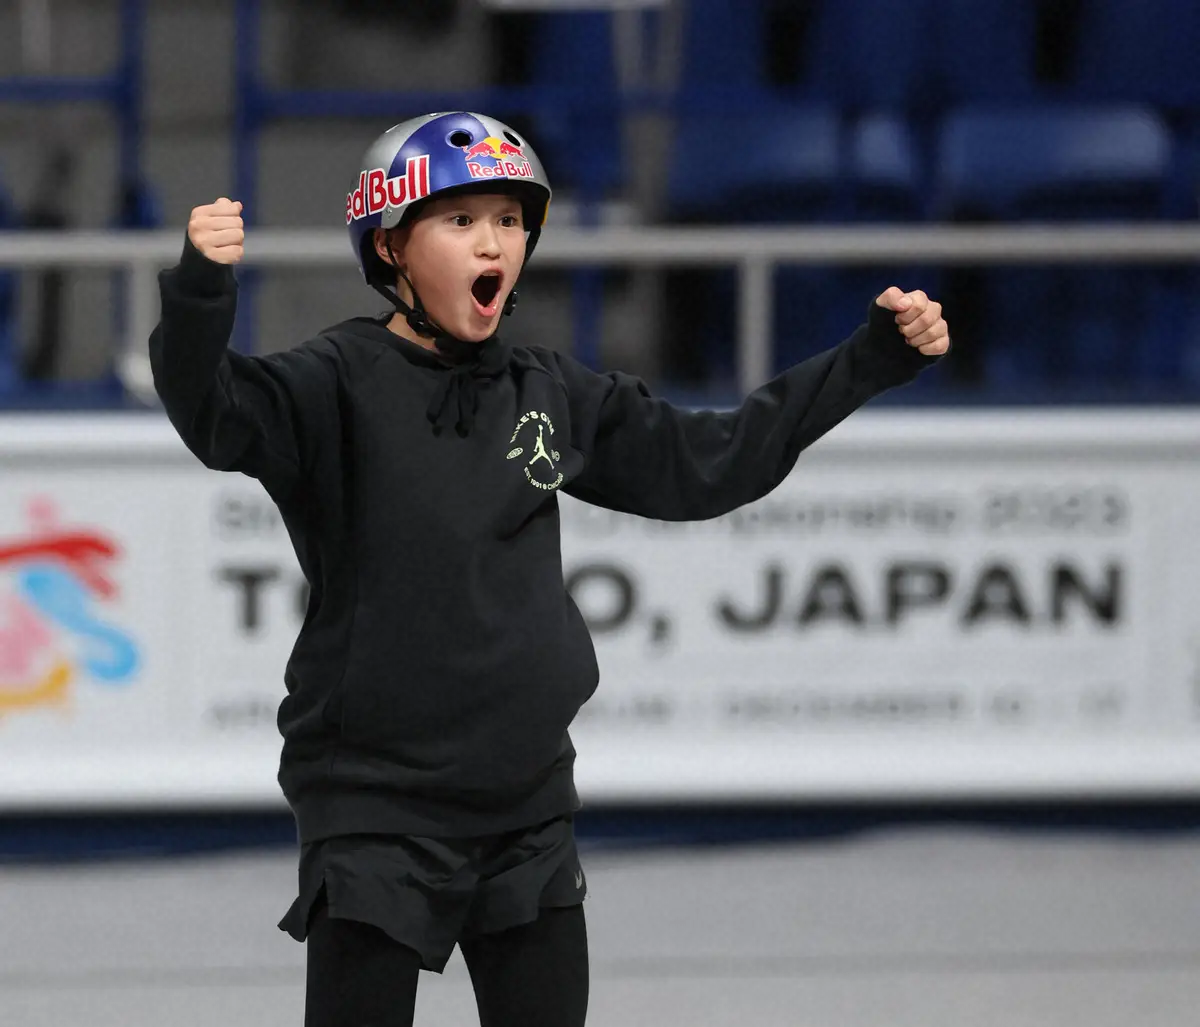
509 159
376 192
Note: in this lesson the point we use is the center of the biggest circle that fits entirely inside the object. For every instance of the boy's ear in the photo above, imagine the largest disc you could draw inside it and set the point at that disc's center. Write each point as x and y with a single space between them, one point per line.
397 240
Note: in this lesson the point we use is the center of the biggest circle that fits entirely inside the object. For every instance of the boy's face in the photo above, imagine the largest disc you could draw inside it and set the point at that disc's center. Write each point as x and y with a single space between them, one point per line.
463 255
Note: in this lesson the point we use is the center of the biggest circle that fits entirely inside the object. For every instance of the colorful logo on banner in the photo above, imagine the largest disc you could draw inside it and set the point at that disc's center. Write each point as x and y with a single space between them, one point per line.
54 584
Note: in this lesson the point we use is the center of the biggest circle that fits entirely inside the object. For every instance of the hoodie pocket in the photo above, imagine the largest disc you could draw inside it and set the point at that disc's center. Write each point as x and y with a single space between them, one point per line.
392 699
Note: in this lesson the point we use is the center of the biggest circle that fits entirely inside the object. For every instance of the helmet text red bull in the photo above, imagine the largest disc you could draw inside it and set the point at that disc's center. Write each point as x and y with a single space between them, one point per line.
376 192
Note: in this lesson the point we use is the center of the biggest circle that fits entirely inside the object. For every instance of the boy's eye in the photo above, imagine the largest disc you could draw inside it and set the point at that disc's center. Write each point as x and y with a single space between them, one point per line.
461 220
510 221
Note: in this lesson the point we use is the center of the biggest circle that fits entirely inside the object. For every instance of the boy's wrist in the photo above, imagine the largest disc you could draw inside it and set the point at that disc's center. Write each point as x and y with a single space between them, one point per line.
198 275
884 337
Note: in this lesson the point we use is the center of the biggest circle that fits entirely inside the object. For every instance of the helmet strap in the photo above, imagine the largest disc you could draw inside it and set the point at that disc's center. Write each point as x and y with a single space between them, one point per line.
416 316
510 304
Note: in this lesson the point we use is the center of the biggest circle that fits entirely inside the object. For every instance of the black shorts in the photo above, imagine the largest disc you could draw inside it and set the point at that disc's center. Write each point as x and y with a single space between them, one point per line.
427 893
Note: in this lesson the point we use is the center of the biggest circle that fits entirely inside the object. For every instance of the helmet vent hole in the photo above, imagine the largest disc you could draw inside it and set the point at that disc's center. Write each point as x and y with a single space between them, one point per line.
512 139
460 138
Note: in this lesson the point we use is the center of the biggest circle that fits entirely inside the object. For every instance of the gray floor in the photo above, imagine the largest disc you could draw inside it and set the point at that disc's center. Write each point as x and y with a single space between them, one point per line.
930 927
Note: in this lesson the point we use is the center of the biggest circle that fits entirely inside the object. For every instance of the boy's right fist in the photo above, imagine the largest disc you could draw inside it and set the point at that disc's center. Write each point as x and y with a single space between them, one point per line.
216 230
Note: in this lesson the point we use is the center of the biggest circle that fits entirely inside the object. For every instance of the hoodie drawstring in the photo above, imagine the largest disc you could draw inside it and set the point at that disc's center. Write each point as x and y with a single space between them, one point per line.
457 399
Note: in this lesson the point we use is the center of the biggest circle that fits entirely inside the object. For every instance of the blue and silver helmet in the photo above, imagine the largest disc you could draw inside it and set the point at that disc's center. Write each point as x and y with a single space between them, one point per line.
433 155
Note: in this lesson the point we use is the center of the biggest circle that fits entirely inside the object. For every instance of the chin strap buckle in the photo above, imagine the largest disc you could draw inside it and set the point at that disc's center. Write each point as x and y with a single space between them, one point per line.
419 322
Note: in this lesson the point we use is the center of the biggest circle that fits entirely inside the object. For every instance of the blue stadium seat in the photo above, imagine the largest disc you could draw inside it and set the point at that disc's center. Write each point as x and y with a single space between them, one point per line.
871 54
1056 163
723 49
983 50
778 162
885 169
573 59
865 53
1139 50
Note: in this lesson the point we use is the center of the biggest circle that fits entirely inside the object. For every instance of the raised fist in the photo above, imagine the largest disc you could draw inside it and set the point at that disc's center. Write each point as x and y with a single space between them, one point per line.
216 230
919 319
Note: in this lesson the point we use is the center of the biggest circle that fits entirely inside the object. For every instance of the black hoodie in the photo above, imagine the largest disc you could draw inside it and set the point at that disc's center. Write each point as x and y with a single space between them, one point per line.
441 659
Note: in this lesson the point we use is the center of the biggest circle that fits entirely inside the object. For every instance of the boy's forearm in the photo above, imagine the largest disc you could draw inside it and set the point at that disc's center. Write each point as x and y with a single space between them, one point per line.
652 459
189 345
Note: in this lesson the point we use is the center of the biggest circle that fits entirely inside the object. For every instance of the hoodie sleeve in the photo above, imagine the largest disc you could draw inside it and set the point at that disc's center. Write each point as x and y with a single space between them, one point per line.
258 415
644 456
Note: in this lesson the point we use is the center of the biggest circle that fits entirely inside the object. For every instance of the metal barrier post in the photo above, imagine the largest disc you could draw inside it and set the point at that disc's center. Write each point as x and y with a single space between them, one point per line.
756 288
133 359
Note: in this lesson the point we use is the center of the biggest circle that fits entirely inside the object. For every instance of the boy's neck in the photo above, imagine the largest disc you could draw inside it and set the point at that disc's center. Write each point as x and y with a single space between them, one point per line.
400 326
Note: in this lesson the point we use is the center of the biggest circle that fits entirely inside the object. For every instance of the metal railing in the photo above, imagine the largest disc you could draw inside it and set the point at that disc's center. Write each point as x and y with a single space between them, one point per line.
753 252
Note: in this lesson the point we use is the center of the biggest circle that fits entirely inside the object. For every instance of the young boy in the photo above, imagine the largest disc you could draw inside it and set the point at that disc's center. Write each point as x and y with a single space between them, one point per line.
416 459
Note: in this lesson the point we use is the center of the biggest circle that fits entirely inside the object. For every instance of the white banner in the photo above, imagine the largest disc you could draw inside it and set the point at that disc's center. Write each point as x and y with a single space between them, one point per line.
934 605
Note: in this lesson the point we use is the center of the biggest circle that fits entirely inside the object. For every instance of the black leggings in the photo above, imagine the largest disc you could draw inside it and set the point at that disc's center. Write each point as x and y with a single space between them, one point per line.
535 975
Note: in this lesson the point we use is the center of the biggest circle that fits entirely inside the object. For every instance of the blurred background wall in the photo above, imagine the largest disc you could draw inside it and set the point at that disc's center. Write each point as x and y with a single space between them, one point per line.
972 604
128 114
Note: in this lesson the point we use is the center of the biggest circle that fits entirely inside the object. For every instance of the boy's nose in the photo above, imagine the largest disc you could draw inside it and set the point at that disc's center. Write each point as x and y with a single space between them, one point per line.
487 243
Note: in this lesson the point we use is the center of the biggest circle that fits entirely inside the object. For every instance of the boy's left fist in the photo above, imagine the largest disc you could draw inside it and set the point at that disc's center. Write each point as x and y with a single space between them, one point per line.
919 319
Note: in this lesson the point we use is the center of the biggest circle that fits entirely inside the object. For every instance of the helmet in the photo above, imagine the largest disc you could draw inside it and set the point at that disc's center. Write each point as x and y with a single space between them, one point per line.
435 155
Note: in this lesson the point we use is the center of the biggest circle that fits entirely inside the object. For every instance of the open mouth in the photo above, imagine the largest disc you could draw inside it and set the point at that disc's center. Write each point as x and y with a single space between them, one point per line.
486 289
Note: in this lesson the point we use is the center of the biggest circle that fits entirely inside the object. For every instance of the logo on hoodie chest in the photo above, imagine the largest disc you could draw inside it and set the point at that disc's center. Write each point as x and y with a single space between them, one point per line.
532 443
